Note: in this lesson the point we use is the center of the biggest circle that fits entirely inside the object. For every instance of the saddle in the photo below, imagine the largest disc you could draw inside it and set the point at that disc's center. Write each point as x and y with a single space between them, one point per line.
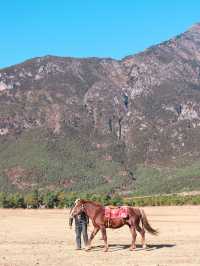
116 212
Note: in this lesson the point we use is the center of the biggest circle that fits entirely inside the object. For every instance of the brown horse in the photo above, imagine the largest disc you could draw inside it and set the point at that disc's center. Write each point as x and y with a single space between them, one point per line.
96 212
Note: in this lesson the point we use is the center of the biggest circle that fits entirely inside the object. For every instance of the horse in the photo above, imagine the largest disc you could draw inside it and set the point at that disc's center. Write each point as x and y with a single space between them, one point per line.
96 212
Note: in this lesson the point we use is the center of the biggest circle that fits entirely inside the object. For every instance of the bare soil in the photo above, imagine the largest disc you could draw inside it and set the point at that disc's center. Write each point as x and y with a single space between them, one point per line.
42 237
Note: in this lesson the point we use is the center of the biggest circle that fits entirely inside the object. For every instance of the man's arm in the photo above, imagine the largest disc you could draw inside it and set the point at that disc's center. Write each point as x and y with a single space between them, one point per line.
70 222
70 219
87 219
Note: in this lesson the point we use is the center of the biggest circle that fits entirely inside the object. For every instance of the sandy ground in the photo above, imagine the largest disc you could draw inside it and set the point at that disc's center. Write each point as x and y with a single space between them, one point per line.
42 237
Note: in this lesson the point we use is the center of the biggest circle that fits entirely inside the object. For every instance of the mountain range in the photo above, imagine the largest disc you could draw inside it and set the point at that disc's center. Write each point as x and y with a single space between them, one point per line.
100 124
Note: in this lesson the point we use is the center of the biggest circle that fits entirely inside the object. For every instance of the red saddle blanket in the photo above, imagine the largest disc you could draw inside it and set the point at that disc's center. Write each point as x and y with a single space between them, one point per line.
118 212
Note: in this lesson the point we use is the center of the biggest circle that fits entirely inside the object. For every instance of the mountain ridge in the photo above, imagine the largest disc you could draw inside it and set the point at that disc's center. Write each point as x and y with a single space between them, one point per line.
140 110
194 27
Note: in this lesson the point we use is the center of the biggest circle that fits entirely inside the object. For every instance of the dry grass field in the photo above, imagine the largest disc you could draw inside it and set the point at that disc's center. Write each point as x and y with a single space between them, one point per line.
42 237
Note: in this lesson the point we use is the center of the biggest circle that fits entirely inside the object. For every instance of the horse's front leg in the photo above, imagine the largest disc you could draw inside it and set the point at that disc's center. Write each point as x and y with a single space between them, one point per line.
94 232
104 236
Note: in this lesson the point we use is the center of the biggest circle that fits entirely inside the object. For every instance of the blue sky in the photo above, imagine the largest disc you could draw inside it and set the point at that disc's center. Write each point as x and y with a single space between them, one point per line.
82 28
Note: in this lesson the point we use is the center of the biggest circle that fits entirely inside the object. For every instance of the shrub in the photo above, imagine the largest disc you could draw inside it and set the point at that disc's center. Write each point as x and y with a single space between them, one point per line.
32 200
51 200
62 199
16 200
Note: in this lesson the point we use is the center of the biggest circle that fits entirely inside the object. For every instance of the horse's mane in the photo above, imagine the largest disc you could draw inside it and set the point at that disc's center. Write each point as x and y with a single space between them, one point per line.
82 201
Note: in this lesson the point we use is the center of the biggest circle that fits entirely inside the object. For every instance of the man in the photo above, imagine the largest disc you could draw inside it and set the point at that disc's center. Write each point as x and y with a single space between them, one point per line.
81 223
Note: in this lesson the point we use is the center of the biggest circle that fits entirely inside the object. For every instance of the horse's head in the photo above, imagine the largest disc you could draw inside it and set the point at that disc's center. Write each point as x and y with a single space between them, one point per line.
78 207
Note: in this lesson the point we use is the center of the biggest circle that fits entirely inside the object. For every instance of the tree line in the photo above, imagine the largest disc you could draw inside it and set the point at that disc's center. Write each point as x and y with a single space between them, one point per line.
62 199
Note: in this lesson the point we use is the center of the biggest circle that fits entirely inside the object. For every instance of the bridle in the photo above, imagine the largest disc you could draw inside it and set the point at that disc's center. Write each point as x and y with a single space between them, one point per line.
82 208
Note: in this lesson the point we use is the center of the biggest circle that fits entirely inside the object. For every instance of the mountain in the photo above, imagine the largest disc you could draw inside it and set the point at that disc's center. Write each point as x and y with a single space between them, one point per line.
99 124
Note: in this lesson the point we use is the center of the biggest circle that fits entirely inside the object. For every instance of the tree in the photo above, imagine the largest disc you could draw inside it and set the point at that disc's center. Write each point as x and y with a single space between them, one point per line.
32 199
16 201
51 200
4 203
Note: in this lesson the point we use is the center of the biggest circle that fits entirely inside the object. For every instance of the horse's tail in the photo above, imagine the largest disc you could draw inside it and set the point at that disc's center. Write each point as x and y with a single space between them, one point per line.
146 224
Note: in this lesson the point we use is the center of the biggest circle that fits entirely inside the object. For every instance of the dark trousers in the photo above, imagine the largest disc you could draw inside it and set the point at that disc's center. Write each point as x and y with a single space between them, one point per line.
81 229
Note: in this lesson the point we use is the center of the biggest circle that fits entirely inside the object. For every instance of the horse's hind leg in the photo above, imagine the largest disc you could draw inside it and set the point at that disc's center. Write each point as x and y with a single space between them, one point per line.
94 232
142 232
104 236
133 233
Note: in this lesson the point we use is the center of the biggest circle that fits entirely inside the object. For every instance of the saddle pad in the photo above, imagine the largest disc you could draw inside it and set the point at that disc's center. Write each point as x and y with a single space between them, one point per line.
118 212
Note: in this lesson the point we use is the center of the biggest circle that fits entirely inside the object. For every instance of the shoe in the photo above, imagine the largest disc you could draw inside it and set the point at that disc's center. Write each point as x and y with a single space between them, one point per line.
78 249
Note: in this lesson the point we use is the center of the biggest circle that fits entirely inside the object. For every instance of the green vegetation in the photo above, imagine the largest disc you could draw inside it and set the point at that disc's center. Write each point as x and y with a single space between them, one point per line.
61 199
40 161
163 180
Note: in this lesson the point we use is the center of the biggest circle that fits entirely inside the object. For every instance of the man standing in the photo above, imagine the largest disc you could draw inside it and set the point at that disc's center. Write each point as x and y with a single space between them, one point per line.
81 223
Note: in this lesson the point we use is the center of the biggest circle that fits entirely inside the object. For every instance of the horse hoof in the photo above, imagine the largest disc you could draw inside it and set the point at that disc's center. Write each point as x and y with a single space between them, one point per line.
105 249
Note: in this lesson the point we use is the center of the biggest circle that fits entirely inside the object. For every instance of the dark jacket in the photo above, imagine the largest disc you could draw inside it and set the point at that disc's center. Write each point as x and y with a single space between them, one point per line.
81 218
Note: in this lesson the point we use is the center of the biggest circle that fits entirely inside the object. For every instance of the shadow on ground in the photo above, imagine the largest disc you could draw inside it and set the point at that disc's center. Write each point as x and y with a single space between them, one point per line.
116 247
